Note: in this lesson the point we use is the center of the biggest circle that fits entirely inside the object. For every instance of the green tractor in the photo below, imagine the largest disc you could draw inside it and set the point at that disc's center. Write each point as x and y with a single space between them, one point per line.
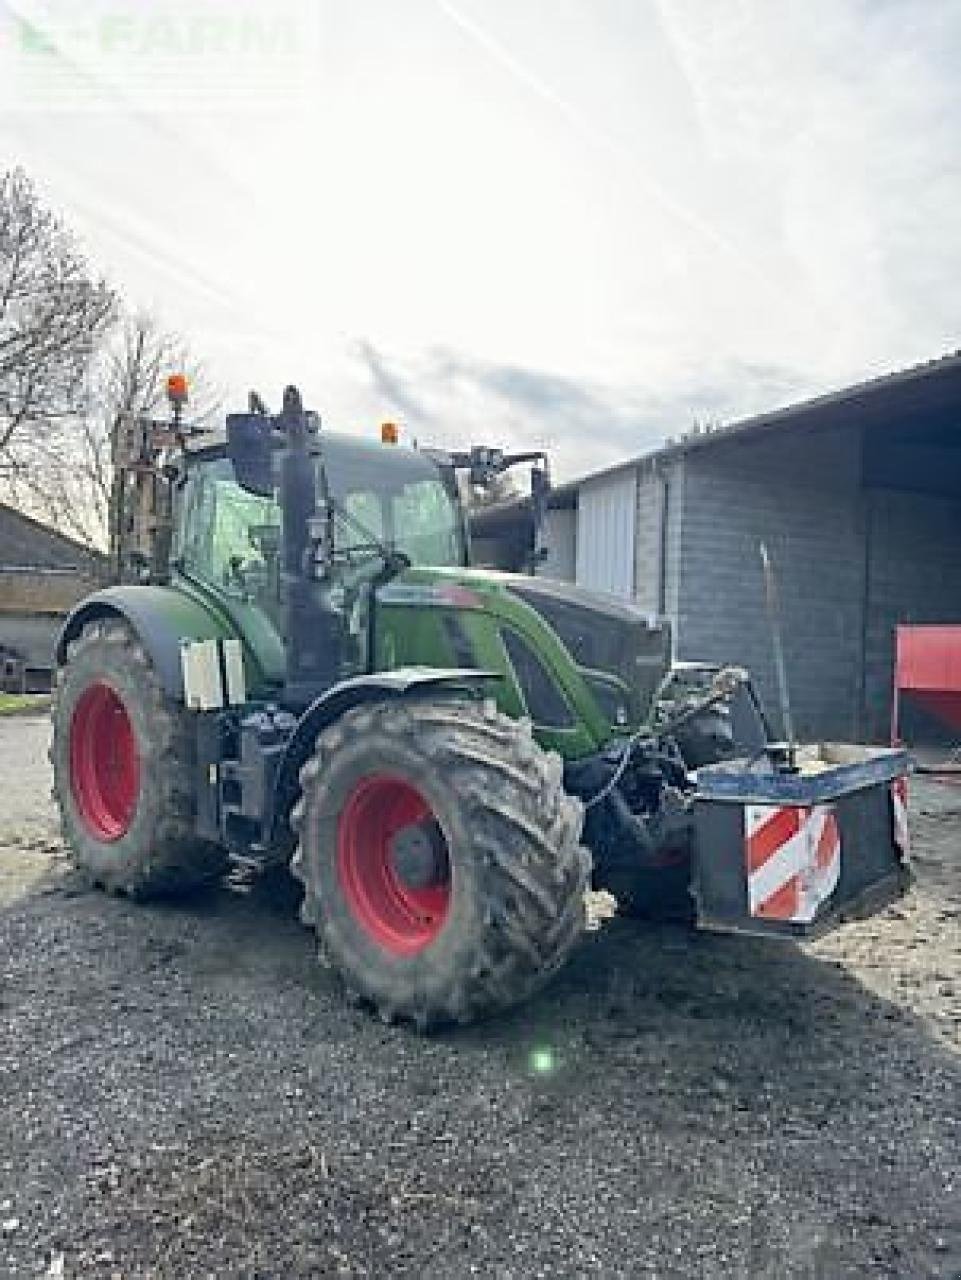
307 671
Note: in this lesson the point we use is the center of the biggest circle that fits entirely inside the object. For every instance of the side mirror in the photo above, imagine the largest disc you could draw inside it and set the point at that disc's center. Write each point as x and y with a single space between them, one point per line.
251 452
485 464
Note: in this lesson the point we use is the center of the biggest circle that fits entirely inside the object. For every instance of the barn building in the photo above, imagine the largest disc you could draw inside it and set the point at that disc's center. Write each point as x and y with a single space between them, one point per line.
42 575
857 495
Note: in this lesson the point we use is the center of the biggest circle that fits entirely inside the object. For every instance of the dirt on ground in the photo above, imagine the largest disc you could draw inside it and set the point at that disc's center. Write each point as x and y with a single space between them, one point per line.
184 1093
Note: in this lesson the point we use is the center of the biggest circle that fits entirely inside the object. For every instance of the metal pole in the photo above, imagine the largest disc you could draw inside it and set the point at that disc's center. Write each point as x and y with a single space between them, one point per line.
774 620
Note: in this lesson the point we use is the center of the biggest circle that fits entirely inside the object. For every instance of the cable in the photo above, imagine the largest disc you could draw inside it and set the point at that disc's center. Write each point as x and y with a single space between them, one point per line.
724 683
618 773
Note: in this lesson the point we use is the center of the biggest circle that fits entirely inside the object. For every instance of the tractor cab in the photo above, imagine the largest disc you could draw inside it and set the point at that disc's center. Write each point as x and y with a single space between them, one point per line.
387 505
308 525
384 496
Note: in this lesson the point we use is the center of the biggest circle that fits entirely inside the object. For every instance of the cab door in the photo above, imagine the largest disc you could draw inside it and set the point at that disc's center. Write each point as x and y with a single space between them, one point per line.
228 543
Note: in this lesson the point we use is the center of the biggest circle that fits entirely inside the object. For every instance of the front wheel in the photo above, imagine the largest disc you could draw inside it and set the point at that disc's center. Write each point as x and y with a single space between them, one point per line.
124 770
440 858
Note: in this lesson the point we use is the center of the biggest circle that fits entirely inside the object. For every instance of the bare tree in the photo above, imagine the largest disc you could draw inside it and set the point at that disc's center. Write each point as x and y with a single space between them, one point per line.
53 317
128 377
132 379
69 370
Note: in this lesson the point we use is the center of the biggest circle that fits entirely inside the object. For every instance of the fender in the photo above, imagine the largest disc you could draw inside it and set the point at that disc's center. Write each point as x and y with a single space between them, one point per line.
160 617
402 682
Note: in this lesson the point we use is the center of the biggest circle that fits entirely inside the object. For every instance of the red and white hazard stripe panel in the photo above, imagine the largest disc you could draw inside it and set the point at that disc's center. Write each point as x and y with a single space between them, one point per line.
899 806
793 860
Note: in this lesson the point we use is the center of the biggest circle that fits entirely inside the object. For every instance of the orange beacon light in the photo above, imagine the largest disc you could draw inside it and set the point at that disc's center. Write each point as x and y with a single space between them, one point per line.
177 388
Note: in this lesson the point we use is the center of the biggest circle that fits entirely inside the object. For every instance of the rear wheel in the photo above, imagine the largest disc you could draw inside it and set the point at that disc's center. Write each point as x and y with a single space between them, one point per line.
124 770
440 859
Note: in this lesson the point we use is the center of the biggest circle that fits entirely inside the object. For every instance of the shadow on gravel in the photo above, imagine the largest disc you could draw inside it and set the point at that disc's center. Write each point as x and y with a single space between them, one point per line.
673 1103
718 1011
631 982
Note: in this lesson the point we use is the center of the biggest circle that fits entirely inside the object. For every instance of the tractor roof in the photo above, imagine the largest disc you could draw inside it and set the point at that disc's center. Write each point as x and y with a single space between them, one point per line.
213 443
351 462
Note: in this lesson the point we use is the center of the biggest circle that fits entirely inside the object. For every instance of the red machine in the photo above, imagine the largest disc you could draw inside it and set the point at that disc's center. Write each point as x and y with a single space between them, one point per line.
927 667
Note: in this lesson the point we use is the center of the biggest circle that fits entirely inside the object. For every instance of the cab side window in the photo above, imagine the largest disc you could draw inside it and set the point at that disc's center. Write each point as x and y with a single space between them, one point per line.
230 538
422 524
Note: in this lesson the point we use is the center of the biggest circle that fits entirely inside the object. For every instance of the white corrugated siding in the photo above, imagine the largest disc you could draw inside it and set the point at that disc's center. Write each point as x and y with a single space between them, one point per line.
606 515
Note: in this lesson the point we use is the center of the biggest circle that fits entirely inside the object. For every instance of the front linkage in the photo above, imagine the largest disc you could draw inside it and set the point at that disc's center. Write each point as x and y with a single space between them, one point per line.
639 796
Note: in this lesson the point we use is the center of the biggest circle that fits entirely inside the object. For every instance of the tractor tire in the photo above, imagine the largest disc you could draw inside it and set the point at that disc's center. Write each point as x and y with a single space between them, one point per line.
124 766
440 859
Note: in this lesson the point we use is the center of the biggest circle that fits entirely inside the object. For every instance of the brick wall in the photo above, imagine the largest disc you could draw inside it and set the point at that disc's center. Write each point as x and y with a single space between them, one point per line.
42 593
801 494
851 562
660 515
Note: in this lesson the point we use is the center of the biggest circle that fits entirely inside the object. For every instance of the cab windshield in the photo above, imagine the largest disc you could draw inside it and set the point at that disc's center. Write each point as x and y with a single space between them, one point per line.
395 496
231 537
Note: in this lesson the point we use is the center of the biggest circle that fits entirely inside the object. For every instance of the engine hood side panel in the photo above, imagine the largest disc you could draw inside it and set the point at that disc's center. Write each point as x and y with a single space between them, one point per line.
452 617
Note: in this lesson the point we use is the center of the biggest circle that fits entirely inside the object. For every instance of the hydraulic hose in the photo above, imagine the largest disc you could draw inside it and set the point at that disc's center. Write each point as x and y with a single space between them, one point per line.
722 686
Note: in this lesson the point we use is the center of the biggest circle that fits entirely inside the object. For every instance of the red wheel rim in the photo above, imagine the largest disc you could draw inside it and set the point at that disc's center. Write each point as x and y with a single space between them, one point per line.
104 763
399 916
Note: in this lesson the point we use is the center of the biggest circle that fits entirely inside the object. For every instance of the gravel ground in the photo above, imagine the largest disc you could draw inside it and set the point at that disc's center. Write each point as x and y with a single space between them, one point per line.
183 1093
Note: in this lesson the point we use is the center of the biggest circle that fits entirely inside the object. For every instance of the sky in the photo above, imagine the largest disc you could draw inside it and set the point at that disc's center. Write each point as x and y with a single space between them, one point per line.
584 225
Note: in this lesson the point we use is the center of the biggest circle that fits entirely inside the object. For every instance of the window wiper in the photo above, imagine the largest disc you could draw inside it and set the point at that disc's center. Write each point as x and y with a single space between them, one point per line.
394 560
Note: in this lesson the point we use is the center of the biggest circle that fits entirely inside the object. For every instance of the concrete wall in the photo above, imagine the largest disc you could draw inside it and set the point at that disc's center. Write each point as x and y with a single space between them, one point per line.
801 494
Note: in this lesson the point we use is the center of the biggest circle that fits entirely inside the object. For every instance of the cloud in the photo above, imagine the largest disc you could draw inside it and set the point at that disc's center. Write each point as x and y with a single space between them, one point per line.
391 385
456 399
533 226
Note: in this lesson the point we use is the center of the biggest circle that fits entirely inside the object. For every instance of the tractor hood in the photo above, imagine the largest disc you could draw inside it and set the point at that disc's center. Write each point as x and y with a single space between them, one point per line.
543 589
604 635
594 602
619 652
